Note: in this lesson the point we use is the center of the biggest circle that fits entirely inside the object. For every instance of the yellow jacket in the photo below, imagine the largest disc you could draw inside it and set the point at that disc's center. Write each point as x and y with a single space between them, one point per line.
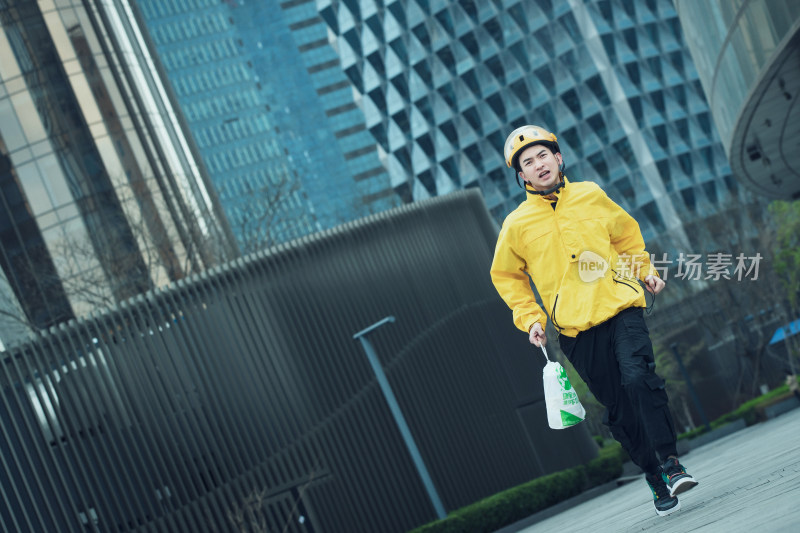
583 256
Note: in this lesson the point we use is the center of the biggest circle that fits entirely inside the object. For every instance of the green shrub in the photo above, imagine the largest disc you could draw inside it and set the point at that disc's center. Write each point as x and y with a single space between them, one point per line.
607 466
751 411
518 502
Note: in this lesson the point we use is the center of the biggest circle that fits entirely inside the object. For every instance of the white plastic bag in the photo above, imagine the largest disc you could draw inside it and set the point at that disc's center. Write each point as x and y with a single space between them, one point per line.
564 408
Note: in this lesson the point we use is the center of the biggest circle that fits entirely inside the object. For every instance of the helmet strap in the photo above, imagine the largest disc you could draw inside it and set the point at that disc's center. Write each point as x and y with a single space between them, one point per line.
545 192
552 189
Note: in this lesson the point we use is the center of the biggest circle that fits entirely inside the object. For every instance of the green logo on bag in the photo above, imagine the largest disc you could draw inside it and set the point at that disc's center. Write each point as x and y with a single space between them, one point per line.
568 419
563 379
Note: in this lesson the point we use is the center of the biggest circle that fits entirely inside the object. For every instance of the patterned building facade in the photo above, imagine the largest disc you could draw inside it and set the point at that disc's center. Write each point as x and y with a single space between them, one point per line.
442 83
435 86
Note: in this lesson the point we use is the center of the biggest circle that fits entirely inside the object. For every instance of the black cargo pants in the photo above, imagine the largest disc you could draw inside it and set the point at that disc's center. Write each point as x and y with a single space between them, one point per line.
616 361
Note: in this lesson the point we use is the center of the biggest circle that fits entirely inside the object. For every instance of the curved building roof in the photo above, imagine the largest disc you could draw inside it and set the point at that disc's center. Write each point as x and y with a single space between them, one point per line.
748 59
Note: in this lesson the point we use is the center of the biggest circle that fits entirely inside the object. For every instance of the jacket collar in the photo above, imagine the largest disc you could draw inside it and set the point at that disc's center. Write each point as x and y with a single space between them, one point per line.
538 198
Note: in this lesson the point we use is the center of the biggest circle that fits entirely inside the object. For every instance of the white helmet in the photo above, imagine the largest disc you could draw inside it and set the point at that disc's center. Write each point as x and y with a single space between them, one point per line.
525 136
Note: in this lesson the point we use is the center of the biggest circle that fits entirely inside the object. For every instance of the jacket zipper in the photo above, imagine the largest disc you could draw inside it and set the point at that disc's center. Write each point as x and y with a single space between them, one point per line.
614 277
553 318
561 237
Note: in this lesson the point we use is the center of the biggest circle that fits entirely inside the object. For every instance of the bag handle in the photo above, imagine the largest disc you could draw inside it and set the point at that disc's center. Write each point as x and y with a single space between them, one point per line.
545 352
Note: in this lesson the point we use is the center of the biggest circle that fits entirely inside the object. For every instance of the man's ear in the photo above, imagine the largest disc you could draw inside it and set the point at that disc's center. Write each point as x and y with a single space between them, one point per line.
560 160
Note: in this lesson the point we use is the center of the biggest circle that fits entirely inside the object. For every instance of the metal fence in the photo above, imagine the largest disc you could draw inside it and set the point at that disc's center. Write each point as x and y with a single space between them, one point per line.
239 400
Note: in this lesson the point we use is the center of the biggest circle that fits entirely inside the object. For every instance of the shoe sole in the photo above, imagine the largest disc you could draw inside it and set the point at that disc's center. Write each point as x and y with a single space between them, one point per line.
682 485
670 510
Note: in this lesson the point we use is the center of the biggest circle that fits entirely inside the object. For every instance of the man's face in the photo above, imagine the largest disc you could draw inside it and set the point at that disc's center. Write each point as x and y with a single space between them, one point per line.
539 167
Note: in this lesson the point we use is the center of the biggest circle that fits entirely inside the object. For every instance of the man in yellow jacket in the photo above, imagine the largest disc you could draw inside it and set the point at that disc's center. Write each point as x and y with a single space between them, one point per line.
586 257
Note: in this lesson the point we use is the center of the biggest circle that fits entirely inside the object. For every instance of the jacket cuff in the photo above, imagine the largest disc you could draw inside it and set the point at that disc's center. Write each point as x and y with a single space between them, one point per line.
651 272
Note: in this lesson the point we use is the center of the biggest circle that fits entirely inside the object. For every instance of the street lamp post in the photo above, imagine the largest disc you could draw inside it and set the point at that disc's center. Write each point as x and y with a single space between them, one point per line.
399 419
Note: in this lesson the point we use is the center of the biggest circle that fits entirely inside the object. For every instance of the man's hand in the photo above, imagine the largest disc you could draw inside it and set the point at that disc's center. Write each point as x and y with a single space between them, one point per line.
536 336
653 284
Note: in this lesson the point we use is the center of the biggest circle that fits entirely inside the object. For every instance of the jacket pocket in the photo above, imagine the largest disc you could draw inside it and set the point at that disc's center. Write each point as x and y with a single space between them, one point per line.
657 385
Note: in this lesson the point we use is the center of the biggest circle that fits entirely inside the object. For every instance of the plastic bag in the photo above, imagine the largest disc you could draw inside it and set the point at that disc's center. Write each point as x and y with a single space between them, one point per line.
564 408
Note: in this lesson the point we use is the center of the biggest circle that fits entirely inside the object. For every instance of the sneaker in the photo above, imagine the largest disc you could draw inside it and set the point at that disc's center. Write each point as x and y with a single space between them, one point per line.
676 477
665 503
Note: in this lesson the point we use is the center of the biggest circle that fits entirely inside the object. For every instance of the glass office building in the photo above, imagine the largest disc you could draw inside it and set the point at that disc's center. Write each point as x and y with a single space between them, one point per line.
747 54
274 116
442 83
428 90
102 194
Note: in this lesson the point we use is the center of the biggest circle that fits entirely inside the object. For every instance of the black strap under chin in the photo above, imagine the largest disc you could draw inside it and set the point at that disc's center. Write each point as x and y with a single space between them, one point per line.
551 190
561 168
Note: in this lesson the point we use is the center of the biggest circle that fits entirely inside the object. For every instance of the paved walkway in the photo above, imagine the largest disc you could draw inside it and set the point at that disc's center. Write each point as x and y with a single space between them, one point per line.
749 482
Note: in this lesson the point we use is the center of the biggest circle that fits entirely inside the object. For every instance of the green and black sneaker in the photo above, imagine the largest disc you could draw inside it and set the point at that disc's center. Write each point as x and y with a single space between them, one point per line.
678 480
664 503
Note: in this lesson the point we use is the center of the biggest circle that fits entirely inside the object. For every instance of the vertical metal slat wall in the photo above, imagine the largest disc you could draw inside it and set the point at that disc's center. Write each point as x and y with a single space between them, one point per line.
241 397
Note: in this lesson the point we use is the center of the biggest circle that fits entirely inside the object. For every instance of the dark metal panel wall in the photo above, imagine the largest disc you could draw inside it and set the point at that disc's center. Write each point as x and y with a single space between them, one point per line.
242 395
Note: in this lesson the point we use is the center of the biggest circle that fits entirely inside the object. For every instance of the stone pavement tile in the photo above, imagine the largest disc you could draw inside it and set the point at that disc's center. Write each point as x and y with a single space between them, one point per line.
749 483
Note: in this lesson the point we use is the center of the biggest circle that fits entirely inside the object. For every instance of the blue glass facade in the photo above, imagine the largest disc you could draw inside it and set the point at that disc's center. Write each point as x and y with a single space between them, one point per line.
273 114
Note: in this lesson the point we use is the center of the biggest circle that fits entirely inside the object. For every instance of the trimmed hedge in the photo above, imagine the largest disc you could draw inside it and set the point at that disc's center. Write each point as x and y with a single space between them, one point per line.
752 412
516 503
